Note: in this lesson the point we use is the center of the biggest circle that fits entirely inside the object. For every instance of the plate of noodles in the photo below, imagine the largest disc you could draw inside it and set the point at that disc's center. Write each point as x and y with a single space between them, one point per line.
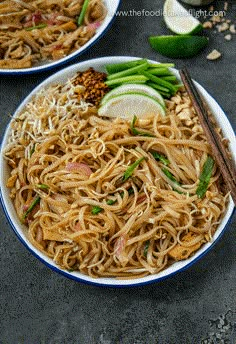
109 200
37 35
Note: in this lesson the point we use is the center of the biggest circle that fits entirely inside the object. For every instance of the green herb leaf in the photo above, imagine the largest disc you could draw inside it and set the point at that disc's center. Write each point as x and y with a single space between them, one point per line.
40 26
83 12
128 173
205 177
146 247
31 207
137 132
160 157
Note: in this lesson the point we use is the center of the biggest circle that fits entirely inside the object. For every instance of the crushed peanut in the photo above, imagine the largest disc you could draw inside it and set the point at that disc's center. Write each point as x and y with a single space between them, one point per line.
207 25
94 84
223 27
232 28
228 37
214 55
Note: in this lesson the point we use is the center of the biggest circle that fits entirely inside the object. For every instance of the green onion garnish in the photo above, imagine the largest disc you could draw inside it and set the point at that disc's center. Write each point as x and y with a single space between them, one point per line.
128 173
170 176
32 150
137 132
31 207
83 12
40 26
160 157
205 177
145 251
42 186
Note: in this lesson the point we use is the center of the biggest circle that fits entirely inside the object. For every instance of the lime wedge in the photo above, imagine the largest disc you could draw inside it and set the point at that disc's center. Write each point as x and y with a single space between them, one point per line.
181 46
129 105
134 88
179 20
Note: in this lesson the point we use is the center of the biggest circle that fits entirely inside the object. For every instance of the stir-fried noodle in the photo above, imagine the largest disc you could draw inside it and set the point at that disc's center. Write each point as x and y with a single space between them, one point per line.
87 216
33 31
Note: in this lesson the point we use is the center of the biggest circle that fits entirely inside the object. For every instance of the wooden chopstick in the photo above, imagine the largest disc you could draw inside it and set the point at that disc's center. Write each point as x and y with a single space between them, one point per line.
226 165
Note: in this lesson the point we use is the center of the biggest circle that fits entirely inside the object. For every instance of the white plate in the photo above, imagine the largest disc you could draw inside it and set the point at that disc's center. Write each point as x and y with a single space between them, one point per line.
112 7
19 229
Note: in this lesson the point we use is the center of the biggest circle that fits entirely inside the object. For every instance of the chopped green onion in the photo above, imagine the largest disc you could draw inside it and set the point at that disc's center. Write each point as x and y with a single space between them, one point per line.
130 192
160 157
165 94
158 87
128 79
129 71
31 207
128 173
205 177
118 67
40 26
160 82
96 210
161 65
137 132
160 71
169 78
83 12
170 176
146 247
111 201
32 150
42 186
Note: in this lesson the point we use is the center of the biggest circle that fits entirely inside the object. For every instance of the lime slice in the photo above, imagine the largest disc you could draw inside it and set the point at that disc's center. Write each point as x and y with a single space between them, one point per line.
179 20
134 88
182 46
129 105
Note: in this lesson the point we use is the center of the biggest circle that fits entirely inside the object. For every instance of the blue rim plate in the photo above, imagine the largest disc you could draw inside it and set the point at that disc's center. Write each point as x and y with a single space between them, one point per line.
112 7
20 230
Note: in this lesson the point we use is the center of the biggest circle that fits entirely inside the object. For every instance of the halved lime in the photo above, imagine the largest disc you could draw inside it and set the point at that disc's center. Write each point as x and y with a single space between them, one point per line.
129 105
181 46
134 88
179 20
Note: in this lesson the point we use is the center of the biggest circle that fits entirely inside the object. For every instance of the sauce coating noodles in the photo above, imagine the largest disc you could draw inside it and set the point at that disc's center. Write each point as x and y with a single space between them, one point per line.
90 218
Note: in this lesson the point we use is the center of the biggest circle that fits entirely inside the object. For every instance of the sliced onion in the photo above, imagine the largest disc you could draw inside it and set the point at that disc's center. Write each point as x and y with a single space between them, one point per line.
93 26
79 167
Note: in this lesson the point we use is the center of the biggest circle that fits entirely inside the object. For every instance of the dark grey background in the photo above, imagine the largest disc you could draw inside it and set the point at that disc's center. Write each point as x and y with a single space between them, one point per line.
197 306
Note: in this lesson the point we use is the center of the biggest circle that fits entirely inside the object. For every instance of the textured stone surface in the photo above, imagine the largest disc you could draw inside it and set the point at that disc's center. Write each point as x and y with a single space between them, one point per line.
197 306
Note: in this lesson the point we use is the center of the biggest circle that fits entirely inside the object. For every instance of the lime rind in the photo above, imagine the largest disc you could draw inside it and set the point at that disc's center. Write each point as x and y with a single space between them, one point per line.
129 105
182 46
179 20
134 88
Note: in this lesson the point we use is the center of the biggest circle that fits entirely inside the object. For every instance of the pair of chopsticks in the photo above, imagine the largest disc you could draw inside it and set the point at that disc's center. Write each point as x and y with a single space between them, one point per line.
226 165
